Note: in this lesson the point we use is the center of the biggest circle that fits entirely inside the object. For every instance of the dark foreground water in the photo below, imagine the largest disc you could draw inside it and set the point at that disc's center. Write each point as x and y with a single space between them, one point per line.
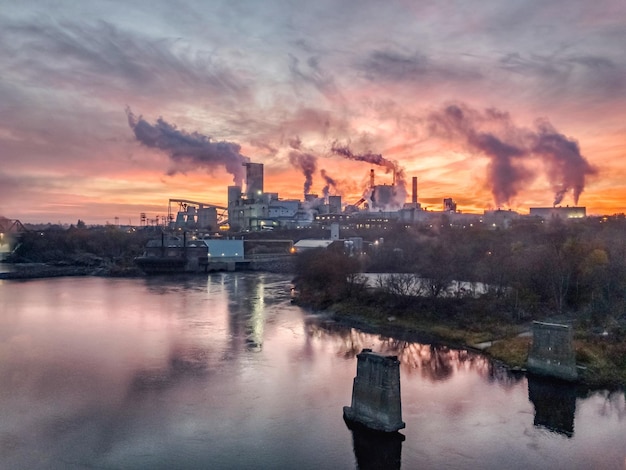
223 372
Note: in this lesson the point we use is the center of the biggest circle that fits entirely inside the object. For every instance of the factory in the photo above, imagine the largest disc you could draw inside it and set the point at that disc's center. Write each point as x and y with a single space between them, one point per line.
380 207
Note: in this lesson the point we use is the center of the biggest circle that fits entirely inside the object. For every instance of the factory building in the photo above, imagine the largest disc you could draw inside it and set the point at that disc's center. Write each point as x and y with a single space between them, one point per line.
548 213
193 215
382 206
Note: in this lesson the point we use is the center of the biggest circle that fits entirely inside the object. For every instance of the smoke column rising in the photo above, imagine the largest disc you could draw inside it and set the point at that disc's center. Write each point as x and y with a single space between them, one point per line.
508 148
399 189
329 182
306 163
566 167
189 150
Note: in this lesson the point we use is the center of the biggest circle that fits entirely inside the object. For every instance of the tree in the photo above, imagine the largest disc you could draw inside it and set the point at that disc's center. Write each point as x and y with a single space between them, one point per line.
325 275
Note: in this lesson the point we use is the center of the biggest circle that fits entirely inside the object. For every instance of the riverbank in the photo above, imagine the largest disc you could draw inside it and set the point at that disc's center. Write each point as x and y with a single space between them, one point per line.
45 270
459 323
601 358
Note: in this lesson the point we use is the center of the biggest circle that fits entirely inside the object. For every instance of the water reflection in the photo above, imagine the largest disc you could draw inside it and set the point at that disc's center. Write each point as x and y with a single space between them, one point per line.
434 362
376 450
222 371
555 404
183 364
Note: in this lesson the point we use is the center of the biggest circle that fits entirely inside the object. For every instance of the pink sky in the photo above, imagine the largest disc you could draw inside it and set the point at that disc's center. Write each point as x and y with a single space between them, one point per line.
273 78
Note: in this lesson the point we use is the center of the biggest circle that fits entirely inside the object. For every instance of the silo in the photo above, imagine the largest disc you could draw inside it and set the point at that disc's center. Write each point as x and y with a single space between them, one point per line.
254 180
207 218
334 203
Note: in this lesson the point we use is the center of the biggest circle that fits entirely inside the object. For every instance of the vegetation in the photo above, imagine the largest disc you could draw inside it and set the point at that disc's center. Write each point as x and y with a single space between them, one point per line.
567 272
571 272
109 248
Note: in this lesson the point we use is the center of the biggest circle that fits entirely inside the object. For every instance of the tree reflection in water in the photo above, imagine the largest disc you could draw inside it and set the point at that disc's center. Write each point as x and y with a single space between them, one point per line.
434 362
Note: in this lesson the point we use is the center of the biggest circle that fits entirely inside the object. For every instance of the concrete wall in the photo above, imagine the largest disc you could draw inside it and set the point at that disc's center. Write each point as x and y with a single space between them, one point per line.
552 351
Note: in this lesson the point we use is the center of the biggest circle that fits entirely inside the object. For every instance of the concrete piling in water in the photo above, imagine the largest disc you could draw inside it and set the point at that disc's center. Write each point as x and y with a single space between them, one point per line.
552 351
376 402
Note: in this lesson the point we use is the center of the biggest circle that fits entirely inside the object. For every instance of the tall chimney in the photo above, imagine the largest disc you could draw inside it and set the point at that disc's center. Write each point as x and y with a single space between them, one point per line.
372 178
414 193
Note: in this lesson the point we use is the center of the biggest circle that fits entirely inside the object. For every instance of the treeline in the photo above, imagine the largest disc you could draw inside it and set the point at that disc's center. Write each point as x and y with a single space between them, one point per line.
81 246
531 270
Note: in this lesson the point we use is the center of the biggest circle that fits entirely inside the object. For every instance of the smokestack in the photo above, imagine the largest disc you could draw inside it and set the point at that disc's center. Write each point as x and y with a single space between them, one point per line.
372 178
414 192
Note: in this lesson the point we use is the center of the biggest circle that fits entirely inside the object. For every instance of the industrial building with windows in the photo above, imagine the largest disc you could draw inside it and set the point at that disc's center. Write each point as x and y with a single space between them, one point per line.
381 206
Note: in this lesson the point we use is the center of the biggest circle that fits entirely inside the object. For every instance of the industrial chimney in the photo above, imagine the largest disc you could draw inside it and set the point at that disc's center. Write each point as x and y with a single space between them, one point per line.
414 192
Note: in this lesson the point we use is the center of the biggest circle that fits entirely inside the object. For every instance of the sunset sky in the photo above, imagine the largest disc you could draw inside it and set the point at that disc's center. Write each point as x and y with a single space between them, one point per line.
492 103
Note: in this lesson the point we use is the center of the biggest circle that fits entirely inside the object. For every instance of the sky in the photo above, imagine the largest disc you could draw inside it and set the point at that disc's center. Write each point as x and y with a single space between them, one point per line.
110 108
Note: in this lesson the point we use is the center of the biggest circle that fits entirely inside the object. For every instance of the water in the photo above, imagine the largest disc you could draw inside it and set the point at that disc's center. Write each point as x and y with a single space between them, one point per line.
221 371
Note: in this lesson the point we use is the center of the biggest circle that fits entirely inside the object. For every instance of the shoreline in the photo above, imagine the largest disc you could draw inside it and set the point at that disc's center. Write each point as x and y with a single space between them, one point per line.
507 349
21 271
506 354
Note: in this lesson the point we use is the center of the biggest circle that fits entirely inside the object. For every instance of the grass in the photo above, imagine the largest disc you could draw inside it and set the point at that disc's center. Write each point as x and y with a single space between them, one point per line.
465 324
511 351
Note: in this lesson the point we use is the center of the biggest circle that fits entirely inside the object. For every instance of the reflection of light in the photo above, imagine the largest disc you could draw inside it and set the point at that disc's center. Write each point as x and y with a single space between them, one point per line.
256 321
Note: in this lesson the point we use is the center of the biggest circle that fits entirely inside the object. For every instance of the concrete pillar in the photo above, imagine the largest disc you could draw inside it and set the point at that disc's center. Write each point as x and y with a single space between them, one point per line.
552 351
376 402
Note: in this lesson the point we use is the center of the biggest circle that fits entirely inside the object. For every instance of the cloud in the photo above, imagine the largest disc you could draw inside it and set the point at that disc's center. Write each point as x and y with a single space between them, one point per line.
589 76
311 73
394 66
101 56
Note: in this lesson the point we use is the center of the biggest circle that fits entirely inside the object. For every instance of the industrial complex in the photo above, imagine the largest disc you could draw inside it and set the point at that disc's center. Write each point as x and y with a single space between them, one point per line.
381 205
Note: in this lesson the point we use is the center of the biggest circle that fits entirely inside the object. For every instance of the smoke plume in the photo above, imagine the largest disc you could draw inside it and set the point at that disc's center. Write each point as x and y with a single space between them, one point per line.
493 134
329 182
306 163
566 167
374 158
189 150
399 192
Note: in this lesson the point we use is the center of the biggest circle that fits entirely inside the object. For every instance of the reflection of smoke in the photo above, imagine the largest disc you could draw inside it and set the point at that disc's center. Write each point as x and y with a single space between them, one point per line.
398 193
329 182
189 150
493 134
307 163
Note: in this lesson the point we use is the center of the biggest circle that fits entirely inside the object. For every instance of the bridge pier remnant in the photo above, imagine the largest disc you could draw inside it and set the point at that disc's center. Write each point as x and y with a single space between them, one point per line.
552 351
376 402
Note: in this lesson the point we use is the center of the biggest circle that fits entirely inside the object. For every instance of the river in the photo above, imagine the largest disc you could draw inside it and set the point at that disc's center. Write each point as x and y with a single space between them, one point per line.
221 371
